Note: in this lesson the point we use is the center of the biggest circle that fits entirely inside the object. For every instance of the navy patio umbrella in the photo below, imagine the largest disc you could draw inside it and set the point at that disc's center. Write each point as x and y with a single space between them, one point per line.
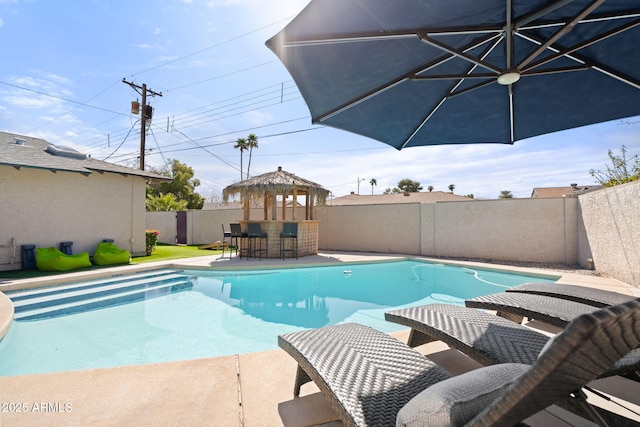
428 72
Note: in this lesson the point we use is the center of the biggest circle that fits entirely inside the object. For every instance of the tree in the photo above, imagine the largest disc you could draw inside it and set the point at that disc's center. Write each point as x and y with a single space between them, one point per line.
451 187
430 188
252 142
470 195
623 169
182 187
165 202
505 194
408 186
373 182
241 143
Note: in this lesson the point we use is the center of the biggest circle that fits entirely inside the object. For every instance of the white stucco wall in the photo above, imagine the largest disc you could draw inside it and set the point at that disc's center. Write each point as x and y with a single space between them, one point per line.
602 225
537 230
612 220
43 208
374 228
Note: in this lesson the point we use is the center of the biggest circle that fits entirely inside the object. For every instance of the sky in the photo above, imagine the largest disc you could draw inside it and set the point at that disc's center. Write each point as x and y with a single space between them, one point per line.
61 79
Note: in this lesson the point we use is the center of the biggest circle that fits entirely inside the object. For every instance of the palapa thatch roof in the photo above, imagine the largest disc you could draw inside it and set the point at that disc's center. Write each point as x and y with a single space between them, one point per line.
278 182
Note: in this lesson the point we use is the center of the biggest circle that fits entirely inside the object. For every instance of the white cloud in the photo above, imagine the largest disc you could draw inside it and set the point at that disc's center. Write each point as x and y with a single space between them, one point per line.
29 101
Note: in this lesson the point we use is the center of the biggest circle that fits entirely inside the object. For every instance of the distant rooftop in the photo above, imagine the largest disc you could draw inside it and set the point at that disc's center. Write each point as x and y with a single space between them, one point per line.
571 190
380 199
22 151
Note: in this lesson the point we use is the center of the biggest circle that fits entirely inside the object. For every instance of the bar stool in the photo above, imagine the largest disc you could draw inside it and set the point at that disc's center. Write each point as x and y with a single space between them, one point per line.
237 233
254 232
289 231
225 235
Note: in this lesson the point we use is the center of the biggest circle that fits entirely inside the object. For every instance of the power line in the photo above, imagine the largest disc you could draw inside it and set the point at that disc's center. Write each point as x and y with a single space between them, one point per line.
221 76
61 98
199 119
117 148
210 47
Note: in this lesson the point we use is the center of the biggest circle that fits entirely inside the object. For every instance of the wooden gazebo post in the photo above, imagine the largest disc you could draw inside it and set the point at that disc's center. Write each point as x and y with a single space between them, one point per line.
284 206
295 204
246 209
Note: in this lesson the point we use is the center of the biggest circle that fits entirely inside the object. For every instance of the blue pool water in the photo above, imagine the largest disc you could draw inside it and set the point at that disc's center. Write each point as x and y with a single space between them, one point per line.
227 312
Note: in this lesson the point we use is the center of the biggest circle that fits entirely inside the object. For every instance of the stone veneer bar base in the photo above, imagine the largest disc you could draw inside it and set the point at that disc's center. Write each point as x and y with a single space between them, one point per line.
307 237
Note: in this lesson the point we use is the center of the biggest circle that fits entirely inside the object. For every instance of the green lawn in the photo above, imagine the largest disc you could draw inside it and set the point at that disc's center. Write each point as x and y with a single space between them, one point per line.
162 253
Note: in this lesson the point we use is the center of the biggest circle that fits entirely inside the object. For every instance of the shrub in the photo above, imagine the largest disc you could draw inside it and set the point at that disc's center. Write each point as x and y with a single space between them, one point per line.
152 240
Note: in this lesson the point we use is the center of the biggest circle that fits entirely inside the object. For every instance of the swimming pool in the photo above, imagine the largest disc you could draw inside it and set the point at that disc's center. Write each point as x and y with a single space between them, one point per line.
216 313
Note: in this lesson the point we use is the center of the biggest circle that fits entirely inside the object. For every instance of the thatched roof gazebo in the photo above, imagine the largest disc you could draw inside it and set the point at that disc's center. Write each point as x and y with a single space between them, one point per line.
279 183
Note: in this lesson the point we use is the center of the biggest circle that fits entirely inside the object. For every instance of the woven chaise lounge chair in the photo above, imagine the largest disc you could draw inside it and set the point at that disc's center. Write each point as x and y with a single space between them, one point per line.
486 338
372 379
577 293
516 306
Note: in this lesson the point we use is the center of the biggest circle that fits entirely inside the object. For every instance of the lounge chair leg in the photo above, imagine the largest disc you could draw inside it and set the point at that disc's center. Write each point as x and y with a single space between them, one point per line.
417 338
581 398
511 316
301 378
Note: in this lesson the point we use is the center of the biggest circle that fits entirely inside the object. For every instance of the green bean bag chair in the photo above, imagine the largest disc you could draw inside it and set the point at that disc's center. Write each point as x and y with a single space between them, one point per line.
52 259
108 253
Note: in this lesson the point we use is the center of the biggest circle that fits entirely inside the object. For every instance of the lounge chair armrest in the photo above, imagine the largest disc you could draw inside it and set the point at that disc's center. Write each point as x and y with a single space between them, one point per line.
457 400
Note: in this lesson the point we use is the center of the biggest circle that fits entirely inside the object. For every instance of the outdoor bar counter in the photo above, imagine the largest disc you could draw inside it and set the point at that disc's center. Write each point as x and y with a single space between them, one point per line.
307 236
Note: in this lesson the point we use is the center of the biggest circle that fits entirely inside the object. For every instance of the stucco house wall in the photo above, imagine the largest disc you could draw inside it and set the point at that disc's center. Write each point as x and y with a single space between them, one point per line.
51 194
43 208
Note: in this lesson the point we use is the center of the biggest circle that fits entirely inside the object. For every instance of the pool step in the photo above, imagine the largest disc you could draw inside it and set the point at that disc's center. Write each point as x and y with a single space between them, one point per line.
83 298
85 285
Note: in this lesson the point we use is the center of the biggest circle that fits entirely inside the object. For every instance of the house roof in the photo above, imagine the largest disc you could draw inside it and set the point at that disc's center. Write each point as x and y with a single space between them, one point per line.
573 189
22 151
376 199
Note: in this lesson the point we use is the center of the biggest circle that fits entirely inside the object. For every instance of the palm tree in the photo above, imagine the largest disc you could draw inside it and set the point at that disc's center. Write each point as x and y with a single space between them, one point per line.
451 187
241 143
252 142
373 182
505 194
430 188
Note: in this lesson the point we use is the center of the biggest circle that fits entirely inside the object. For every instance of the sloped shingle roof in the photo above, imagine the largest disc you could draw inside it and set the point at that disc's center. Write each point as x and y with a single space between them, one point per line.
378 199
27 152
563 191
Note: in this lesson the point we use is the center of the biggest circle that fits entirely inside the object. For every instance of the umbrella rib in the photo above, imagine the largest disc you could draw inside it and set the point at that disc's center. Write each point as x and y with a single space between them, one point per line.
360 99
454 87
388 35
584 44
439 61
454 77
633 13
561 32
540 13
403 78
460 54
556 70
592 64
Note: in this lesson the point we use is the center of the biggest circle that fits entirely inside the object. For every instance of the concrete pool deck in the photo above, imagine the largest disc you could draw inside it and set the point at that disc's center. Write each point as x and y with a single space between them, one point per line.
254 389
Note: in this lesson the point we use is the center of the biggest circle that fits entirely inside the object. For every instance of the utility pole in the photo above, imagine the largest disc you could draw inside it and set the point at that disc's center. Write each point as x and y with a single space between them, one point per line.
147 112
